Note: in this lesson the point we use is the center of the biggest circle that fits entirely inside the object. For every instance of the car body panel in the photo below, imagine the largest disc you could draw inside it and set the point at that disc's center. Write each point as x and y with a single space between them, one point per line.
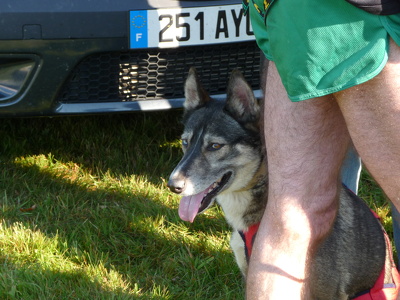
47 41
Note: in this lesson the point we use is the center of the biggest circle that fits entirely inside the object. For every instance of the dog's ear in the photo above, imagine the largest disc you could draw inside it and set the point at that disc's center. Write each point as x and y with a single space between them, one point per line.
241 103
195 94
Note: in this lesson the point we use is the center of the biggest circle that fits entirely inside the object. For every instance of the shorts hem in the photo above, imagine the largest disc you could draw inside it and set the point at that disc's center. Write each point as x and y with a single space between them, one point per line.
335 89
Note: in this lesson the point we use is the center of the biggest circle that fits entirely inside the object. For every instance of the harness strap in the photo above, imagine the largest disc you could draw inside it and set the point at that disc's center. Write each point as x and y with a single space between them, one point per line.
248 238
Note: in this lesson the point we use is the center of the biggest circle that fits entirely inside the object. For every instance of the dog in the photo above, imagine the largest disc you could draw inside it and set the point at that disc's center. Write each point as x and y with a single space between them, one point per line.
224 162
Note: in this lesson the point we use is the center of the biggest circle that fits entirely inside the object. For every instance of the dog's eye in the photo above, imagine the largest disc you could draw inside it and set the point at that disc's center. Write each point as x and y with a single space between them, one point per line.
184 143
215 146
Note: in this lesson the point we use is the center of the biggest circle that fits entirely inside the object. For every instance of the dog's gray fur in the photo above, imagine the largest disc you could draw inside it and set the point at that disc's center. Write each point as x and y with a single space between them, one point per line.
224 137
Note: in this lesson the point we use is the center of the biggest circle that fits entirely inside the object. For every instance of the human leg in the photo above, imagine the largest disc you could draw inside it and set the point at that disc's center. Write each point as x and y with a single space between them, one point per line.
350 175
372 114
306 143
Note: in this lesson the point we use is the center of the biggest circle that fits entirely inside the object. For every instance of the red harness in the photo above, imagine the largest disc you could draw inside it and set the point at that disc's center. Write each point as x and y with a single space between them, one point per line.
380 291
248 238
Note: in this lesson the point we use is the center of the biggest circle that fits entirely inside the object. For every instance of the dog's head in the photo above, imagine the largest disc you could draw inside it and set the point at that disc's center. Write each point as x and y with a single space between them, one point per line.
221 144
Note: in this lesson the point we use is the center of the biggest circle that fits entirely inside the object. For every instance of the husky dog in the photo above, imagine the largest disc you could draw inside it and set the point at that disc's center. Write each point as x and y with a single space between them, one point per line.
224 161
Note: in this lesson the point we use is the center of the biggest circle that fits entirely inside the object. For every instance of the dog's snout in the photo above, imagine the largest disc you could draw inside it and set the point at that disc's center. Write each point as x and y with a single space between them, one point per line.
176 186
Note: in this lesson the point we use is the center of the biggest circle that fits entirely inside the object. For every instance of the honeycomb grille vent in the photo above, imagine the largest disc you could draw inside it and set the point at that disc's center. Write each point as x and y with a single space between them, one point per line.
152 74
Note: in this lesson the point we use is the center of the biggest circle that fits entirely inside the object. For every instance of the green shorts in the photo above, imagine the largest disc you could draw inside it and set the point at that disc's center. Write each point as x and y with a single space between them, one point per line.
322 46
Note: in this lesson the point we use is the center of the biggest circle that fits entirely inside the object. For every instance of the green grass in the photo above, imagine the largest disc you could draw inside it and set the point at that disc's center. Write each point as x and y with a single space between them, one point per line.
103 226
85 214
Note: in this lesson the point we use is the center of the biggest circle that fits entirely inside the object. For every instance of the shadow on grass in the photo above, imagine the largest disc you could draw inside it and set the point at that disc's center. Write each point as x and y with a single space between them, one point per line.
137 143
136 233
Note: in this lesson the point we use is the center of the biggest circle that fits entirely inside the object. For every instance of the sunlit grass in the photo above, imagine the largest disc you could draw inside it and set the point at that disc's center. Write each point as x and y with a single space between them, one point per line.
85 214
36 267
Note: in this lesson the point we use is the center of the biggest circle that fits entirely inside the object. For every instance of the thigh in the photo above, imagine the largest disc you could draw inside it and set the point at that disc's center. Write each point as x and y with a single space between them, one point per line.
372 114
306 141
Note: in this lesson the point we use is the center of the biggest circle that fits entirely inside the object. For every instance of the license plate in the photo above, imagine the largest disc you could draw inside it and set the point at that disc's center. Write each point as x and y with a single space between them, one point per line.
175 27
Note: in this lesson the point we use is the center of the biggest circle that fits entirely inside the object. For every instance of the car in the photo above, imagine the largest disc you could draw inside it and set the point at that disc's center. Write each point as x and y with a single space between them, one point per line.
94 57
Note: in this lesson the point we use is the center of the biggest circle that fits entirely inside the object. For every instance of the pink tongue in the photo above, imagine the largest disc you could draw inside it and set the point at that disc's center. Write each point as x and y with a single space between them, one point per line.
189 206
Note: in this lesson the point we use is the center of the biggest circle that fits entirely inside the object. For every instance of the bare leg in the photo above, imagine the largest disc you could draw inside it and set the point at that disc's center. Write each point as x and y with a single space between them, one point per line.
306 143
372 113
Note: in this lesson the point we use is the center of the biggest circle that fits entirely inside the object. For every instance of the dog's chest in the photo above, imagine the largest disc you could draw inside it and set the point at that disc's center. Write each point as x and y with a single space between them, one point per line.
235 205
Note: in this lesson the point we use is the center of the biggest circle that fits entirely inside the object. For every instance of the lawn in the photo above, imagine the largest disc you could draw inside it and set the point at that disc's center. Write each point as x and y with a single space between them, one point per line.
85 213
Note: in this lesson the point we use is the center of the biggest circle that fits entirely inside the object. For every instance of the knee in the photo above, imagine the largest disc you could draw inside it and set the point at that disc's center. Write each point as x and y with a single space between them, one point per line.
307 217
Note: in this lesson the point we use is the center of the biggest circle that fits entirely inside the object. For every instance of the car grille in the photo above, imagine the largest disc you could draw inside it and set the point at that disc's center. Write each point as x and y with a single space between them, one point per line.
151 74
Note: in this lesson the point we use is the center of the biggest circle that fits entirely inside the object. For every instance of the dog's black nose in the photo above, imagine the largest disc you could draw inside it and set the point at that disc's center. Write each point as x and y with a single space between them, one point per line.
176 189
175 186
